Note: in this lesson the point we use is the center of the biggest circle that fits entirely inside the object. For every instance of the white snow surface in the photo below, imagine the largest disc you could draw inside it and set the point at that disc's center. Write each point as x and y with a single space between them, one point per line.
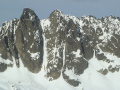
5 61
45 23
77 54
21 79
35 56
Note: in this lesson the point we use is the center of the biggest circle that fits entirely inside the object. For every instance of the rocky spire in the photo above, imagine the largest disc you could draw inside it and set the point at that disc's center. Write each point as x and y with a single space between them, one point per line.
28 14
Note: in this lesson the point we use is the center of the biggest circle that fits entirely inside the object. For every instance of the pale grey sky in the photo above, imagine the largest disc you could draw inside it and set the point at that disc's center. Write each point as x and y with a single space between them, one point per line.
10 9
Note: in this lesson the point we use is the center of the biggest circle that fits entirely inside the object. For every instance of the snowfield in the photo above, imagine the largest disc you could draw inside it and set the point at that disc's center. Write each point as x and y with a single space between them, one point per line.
21 79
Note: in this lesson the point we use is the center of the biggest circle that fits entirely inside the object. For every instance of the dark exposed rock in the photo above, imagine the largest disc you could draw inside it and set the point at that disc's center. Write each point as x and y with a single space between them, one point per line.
71 81
29 40
104 72
23 37
3 67
111 69
117 69
5 54
70 45
66 44
54 45
100 56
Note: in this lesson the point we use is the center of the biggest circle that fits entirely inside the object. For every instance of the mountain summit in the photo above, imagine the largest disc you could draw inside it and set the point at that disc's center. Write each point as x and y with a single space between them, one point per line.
83 52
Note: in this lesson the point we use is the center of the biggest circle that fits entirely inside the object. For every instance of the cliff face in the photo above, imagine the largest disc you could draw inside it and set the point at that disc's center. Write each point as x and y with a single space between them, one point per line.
64 49
23 39
68 44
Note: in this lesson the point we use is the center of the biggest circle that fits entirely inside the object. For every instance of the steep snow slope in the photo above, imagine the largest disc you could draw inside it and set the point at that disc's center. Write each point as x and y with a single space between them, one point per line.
21 79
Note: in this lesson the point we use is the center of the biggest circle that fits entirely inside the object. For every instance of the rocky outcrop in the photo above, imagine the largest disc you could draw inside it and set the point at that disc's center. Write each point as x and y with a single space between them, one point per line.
29 41
7 45
68 42
62 49
22 39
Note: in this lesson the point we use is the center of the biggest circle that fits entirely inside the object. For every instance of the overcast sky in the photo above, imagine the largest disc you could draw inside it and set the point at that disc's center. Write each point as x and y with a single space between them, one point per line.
10 9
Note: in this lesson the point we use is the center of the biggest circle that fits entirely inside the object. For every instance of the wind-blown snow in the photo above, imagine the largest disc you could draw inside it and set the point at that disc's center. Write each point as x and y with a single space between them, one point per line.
35 56
93 80
45 52
5 61
45 23
77 54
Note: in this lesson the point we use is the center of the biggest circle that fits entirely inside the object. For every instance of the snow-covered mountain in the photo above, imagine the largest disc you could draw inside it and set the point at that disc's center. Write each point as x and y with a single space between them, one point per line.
61 52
